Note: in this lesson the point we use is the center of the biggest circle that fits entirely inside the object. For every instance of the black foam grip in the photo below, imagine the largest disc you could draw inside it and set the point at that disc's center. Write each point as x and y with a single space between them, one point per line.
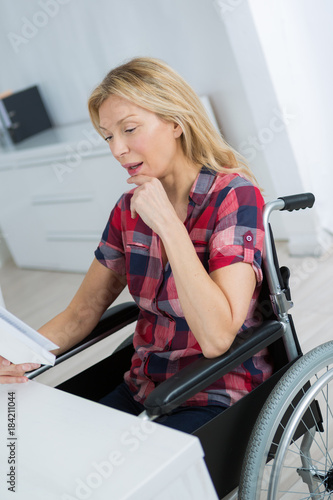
297 201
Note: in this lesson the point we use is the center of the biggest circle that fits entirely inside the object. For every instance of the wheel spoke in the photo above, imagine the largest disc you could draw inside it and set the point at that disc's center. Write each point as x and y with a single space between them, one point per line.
301 468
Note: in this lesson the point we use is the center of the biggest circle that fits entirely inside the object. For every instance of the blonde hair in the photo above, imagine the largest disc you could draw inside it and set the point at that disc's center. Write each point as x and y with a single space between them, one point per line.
155 86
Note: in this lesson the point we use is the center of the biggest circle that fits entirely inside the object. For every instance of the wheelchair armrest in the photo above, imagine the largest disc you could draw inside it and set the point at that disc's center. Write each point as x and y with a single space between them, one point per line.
201 373
111 321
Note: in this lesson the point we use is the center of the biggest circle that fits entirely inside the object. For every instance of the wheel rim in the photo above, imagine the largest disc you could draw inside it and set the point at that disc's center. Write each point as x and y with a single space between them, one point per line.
288 483
316 473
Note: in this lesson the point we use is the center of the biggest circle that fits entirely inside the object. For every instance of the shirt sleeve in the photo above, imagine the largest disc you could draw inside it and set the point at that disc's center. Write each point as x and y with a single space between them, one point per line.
238 235
110 251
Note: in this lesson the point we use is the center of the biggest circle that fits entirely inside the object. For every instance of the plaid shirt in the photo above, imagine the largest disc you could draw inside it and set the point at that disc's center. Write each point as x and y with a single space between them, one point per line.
224 222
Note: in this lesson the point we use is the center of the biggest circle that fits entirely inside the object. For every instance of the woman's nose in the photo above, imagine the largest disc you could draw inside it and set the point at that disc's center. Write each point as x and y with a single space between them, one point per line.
118 147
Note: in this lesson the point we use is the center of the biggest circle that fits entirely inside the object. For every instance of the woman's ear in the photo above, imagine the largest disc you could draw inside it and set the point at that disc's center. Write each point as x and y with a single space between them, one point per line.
177 130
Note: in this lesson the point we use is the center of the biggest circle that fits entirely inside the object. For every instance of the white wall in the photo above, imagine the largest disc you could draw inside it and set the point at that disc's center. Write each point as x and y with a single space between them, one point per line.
67 46
2 302
4 253
296 38
74 50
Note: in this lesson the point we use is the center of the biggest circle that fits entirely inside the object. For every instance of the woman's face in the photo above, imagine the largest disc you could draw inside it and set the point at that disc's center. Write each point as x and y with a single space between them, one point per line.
139 139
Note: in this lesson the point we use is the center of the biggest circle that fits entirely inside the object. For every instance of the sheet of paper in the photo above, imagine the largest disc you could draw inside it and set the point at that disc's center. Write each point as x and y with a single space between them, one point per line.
22 344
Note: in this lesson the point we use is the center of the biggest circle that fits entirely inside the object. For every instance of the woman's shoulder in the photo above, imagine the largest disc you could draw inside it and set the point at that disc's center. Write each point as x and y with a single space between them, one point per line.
233 180
233 186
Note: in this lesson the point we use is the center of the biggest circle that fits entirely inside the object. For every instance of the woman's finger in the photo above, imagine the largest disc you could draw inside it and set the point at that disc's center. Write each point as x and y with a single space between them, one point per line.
16 370
4 361
139 180
6 379
133 211
14 374
26 367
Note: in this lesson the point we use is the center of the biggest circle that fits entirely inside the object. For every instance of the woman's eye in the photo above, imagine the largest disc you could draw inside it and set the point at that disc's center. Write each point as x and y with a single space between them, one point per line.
130 129
108 139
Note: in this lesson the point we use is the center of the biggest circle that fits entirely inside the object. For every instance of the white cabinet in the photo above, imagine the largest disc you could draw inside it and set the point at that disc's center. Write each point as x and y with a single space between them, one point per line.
56 192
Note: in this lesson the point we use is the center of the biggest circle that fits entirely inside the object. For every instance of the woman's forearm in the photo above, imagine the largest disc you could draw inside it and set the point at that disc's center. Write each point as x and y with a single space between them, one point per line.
68 328
215 306
99 289
207 309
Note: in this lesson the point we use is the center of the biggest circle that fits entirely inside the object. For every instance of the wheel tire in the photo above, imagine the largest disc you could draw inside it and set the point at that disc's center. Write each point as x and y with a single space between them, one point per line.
257 478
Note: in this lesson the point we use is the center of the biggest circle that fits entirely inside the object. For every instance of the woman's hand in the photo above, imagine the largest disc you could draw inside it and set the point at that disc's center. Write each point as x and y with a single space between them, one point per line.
14 374
151 203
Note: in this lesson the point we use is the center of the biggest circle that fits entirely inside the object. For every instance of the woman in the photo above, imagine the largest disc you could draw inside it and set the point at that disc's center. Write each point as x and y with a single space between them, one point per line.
187 239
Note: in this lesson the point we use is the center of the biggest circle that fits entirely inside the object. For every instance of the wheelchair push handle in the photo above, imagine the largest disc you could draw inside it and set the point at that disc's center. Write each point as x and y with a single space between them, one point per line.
297 201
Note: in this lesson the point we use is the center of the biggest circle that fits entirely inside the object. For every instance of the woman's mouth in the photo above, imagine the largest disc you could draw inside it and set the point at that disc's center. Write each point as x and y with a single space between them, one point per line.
133 168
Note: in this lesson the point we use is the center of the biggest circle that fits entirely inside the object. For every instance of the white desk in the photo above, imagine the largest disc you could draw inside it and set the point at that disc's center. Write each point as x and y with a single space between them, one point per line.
69 448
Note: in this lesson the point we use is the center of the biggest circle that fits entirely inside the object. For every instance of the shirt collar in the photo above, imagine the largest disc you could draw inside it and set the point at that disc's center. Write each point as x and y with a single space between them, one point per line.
202 185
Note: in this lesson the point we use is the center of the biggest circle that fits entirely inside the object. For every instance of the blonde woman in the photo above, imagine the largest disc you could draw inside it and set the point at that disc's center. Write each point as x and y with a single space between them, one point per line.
187 239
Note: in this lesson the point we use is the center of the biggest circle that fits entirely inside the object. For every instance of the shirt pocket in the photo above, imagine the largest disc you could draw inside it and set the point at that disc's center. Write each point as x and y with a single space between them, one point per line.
137 260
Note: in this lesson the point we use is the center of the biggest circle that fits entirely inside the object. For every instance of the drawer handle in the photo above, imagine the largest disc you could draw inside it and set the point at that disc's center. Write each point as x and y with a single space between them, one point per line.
51 199
72 236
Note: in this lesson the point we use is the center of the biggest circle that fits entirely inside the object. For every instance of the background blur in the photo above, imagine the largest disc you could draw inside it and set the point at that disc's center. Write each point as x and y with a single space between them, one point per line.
265 68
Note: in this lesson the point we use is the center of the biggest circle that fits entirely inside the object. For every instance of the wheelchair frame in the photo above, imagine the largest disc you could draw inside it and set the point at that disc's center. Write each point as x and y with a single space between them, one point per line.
225 451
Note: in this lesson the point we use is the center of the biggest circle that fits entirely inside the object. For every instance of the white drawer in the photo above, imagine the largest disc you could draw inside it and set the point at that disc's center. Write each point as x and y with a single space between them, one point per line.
57 225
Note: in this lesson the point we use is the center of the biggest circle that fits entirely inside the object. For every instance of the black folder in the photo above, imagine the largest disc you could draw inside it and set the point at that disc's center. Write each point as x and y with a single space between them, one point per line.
24 114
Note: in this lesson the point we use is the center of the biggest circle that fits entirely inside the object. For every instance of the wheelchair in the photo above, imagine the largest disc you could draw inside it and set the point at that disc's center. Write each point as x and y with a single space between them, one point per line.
275 441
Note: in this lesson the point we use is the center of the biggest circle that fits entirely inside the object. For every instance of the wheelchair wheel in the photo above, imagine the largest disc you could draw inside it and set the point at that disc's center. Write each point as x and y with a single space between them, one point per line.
290 452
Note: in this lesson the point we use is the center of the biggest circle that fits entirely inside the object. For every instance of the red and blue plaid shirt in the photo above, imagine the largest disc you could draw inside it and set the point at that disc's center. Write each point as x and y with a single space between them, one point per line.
224 222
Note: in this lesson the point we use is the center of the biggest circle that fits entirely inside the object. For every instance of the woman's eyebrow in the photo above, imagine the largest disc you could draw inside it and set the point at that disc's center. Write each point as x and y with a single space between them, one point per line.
119 121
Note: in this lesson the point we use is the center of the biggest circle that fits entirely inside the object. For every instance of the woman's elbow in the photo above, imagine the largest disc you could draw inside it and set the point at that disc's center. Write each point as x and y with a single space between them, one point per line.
218 345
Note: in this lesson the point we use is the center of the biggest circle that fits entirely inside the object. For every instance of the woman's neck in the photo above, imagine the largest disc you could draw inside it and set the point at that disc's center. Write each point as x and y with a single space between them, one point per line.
179 181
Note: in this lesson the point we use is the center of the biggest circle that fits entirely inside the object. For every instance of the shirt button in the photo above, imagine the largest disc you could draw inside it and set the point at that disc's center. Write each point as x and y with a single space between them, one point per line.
154 301
248 238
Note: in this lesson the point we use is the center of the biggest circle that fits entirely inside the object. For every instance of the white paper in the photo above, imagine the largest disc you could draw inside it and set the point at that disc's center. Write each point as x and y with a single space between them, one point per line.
21 344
